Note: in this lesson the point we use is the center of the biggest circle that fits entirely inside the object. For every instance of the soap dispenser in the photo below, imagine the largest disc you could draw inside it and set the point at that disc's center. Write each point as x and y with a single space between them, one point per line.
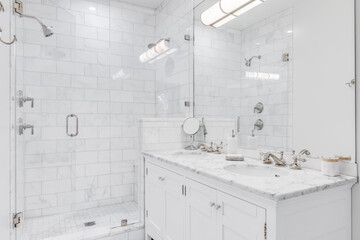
252 141
232 147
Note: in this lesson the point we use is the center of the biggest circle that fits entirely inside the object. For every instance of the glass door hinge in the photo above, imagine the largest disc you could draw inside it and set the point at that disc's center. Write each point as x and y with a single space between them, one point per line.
17 219
265 231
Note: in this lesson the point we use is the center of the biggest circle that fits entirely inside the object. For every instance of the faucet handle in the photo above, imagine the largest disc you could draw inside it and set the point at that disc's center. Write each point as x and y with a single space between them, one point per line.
296 165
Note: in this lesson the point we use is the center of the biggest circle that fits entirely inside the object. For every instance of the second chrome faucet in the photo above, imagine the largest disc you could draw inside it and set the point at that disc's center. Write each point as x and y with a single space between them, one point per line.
269 158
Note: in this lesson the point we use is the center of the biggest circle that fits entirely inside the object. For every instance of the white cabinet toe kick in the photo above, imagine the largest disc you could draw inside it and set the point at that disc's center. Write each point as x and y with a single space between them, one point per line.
182 205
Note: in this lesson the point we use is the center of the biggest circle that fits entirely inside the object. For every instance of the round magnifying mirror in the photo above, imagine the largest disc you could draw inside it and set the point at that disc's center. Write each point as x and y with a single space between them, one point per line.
191 126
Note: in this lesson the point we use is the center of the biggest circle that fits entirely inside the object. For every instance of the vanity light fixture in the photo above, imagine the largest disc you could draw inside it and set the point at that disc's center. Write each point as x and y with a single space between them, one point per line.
226 10
156 51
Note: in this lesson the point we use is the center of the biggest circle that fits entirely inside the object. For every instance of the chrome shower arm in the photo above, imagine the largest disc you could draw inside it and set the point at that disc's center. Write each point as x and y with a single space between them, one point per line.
33 17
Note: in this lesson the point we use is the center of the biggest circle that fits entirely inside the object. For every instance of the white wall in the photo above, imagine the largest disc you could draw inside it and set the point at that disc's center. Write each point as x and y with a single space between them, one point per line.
5 226
323 110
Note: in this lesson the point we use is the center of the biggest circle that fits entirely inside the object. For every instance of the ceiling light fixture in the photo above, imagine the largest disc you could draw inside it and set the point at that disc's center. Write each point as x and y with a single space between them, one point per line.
156 51
226 10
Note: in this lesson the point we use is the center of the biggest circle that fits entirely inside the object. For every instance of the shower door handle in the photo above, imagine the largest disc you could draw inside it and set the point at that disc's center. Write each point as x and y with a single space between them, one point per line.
77 125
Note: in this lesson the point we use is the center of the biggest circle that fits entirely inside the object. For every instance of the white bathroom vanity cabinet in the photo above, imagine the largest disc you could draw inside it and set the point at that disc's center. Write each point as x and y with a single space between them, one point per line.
181 203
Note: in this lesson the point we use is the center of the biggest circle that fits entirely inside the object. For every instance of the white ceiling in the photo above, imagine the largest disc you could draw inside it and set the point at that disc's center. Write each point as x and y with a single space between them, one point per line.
145 3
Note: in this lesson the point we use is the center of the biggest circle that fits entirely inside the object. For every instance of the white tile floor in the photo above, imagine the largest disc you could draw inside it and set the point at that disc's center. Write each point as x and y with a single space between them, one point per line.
71 225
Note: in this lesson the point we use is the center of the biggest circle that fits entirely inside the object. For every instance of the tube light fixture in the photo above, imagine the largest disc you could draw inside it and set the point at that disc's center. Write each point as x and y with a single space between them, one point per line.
226 10
155 50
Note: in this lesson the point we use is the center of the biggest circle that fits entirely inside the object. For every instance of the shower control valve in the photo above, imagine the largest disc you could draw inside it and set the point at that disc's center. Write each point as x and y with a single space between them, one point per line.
23 99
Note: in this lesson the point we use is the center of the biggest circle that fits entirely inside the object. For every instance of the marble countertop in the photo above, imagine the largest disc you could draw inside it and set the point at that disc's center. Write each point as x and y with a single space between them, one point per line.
295 183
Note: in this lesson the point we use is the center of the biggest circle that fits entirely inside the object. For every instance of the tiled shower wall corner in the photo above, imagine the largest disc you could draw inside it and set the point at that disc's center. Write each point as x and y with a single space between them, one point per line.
90 68
174 74
225 87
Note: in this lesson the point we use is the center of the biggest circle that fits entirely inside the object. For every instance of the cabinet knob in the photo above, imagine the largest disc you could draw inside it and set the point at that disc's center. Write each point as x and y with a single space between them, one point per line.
212 204
217 207
161 179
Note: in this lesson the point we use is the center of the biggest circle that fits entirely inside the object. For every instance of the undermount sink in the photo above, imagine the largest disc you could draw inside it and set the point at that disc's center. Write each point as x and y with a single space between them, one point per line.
256 171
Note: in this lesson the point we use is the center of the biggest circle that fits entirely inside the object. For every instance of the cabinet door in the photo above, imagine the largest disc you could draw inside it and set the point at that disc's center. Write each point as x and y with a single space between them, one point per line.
174 207
154 201
200 212
239 220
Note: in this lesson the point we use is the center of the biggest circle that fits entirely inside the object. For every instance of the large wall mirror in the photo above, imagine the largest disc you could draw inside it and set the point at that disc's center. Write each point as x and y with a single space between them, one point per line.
280 62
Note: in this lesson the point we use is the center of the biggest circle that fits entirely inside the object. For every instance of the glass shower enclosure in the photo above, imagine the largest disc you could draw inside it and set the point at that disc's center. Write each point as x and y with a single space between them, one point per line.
75 125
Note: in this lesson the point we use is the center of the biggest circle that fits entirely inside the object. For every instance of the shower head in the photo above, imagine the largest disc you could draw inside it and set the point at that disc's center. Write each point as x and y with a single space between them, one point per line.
249 62
48 31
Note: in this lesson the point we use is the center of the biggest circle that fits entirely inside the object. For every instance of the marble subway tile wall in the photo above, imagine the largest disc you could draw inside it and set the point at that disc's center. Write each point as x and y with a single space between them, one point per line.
90 68
218 63
225 87
174 74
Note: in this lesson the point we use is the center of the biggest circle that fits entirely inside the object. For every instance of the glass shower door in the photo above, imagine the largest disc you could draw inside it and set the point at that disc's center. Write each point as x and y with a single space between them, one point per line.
75 174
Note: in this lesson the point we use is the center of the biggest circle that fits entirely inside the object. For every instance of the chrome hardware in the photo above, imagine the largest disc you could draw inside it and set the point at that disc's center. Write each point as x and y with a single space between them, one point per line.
187 103
259 108
350 84
298 159
265 231
249 62
286 57
23 127
187 37
67 125
304 152
212 204
23 99
296 165
161 179
259 124
217 207
17 219
214 148
124 222
8 43
2 9
280 162
18 7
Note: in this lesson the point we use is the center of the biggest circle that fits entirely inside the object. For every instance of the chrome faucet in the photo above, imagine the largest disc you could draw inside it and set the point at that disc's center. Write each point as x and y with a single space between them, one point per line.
280 162
214 148
299 159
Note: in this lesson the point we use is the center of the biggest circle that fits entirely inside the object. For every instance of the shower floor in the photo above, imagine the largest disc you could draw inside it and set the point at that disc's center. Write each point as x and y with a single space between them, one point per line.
72 225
